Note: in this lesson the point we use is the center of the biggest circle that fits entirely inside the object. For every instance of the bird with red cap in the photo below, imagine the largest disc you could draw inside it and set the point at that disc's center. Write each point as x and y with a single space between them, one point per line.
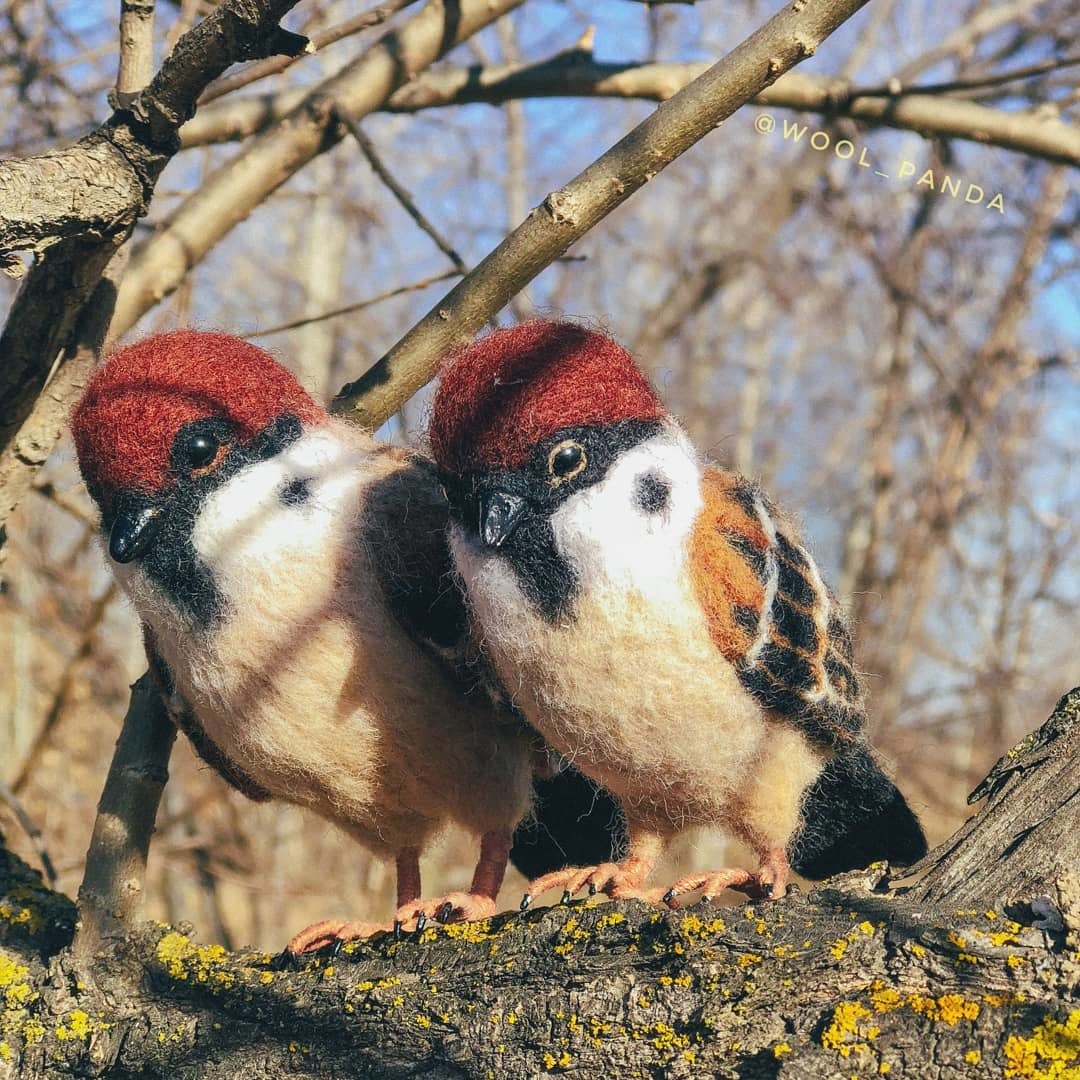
295 589
659 622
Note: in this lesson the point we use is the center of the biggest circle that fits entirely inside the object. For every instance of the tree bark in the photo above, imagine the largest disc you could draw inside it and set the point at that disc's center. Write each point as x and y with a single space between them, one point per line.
865 976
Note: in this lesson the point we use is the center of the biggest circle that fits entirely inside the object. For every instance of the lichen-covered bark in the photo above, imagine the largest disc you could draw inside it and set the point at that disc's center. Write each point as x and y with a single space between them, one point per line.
856 979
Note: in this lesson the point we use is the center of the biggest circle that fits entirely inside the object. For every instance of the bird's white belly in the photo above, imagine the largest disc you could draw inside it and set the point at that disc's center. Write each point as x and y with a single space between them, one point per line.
631 689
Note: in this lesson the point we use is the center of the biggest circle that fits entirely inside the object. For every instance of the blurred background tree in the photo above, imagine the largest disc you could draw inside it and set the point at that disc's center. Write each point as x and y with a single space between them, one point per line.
895 359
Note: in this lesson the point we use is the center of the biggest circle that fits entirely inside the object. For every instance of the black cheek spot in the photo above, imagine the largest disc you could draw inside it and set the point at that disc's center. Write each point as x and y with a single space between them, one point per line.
296 492
652 492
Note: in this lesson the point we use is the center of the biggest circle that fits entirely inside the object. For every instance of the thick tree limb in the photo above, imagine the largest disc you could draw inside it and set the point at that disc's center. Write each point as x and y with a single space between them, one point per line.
1027 836
230 194
109 174
566 215
32 443
858 978
576 74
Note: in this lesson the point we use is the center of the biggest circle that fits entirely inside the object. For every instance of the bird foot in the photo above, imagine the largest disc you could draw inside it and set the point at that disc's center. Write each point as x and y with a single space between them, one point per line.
454 907
616 880
769 883
332 934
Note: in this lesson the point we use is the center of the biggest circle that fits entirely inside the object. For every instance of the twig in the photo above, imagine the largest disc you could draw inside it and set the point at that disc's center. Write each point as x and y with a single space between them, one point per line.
358 306
33 833
407 202
264 68
567 214
895 88
110 896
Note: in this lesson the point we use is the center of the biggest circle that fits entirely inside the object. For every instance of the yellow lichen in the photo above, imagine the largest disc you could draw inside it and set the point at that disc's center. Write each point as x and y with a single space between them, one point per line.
6 1053
780 1049
845 1024
79 1026
973 1057
612 919
1049 1053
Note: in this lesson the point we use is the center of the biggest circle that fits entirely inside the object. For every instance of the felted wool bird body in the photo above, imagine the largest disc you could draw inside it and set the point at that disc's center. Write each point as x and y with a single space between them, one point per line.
294 583
658 621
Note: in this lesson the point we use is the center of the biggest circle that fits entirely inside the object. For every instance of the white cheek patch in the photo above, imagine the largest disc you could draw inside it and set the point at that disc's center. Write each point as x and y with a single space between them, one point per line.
611 539
249 518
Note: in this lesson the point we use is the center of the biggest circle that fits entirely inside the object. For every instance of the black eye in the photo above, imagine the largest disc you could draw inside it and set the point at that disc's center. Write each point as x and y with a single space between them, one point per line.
199 447
567 460
200 450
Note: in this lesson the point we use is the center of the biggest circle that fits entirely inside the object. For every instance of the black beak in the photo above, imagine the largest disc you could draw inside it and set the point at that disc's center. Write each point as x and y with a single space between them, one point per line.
500 515
133 531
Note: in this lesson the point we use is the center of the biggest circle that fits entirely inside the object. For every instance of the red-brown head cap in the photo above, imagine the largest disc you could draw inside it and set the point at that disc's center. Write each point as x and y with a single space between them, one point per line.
501 396
136 402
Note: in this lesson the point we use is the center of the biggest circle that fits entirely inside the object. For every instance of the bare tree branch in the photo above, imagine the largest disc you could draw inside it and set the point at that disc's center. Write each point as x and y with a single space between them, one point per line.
567 214
33 832
272 66
348 309
233 191
577 75
896 88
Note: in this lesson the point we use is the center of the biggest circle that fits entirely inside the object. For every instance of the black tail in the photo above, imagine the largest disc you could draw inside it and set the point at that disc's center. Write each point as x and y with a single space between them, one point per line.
574 823
854 816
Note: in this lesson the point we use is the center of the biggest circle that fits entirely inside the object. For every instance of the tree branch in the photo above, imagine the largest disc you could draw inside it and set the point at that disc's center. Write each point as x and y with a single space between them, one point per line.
575 74
566 215
398 190
228 195
858 978
110 897
273 66
136 50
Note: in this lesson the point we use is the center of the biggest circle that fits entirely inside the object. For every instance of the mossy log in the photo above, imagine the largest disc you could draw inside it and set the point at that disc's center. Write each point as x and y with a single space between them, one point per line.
863 977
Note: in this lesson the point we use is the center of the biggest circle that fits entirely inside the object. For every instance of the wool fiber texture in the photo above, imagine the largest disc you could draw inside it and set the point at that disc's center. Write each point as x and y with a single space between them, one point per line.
312 672
520 385
656 619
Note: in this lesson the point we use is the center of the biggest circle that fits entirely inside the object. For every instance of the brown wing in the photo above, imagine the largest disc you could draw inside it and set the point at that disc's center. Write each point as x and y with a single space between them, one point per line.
771 615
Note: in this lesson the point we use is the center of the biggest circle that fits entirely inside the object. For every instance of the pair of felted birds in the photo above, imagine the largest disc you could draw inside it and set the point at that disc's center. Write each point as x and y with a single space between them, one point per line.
398 643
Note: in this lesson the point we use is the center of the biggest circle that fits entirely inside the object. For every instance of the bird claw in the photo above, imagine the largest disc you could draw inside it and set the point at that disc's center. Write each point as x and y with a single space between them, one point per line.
421 921
526 900
397 932
445 911
286 960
